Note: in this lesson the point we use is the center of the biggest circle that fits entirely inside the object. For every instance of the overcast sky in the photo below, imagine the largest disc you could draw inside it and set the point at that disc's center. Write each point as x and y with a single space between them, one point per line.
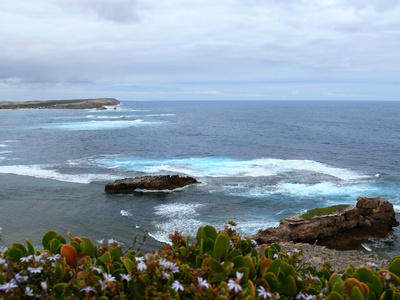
200 49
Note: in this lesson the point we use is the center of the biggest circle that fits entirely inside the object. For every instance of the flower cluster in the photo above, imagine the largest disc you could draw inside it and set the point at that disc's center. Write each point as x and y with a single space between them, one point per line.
219 264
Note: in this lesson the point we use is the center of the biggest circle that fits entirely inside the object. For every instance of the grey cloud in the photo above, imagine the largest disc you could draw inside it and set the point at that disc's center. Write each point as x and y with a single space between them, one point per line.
377 5
119 11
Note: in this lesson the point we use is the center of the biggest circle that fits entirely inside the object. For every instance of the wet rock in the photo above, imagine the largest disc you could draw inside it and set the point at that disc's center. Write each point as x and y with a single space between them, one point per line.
161 182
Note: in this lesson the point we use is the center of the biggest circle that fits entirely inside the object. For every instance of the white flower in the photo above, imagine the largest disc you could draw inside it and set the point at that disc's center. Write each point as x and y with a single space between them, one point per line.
372 264
263 293
2 261
25 259
29 292
100 241
141 266
140 258
232 244
171 266
299 278
203 283
239 275
108 278
103 285
21 278
35 270
88 289
296 251
254 243
96 269
387 277
38 258
276 255
304 296
112 241
126 277
8 287
54 258
44 285
233 285
165 275
176 285
230 227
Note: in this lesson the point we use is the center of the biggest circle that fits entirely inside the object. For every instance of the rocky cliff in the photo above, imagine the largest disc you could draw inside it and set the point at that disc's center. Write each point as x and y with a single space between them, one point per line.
371 217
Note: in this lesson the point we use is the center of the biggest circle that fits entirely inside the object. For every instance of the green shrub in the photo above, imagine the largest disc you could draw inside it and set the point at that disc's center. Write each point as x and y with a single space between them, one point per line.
219 265
323 211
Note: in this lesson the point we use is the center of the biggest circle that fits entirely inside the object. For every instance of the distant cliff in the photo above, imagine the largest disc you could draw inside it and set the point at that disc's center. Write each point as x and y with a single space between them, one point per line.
97 103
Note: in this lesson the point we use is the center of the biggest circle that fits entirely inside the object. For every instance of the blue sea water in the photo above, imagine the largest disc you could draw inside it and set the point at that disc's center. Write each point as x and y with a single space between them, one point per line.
258 162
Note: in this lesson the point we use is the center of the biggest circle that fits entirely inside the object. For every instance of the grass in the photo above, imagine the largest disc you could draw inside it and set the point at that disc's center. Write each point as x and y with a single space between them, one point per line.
323 211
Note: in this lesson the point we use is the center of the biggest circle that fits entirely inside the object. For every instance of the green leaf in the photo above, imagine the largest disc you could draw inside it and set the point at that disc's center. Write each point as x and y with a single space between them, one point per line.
58 290
15 254
137 288
221 246
272 281
394 265
275 267
20 247
31 249
201 235
373 282
210 232
87 245
288 287
115 254
53 245
76 246
356 294
2 278
129 264
48 237
334 296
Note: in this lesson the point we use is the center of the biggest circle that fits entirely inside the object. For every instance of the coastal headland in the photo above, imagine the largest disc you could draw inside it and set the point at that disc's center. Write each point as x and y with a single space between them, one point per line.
97 103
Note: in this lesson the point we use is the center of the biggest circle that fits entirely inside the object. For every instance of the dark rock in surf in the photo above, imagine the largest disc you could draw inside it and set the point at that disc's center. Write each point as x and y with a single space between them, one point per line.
157 183
370 218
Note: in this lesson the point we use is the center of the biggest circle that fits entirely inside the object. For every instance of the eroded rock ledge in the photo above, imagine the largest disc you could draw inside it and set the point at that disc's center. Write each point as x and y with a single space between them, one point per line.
371 217
161 182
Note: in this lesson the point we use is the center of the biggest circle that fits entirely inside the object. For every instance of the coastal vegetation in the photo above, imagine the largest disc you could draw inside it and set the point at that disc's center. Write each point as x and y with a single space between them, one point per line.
311 213
60 104
218 265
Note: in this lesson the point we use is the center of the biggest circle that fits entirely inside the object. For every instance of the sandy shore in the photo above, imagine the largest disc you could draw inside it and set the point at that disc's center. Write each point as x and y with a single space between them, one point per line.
340 259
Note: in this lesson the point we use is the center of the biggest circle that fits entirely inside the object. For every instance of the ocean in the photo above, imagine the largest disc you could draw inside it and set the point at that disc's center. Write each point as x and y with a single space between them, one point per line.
257 161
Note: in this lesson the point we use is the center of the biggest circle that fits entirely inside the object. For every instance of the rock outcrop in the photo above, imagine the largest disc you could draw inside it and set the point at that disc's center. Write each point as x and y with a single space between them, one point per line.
161 182
371 217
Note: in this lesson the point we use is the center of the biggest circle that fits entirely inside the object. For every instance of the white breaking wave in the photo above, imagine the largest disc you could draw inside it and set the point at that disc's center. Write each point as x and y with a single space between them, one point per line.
99 125
104 117
126 213
324 189
226 167
39 171
179 217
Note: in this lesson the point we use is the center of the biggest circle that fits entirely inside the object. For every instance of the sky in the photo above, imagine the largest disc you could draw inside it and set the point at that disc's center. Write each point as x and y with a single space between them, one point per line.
200 50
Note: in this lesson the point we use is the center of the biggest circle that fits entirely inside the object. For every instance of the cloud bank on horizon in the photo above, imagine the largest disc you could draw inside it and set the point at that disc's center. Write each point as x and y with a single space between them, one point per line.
200 50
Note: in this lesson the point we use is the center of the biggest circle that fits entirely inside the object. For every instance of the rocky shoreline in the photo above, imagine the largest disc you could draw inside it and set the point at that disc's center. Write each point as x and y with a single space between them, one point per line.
97 103
340 259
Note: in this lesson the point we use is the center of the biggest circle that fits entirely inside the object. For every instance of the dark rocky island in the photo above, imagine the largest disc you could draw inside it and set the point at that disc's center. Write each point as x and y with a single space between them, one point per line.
155 183
97 103
370 218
